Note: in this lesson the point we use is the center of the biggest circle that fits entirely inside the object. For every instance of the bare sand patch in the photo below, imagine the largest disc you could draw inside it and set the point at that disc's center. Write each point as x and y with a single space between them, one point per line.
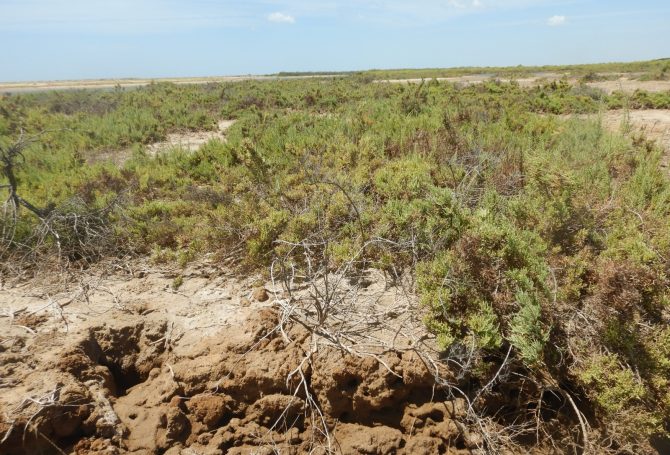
630 85
129 83
653 124
189 141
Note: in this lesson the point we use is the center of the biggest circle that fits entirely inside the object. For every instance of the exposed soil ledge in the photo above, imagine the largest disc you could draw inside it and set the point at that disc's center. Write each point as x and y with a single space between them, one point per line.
137 367
115 391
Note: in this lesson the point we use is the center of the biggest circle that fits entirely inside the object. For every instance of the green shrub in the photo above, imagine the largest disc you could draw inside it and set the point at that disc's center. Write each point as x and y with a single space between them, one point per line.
526 331
404 179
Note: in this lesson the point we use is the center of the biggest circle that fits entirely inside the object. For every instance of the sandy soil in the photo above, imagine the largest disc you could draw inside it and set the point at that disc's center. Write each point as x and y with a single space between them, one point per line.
106 84
653 124
650 124
629 86
119 361
191 141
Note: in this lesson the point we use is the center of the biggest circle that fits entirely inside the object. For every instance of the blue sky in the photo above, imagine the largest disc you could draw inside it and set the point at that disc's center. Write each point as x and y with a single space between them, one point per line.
76 39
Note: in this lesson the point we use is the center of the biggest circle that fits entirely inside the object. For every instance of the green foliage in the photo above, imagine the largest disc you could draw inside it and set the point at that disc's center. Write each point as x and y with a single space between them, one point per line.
614 387
526 332
403 179
620 394
177 282
640 99
559 97
660 351
652 67
485 327
414 100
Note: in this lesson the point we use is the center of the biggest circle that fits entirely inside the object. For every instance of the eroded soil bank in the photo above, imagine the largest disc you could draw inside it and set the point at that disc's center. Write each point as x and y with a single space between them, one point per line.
122 362
116 391
138 367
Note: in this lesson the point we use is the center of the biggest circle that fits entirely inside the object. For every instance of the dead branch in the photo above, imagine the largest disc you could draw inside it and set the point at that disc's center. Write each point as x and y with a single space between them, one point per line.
9 158
73 229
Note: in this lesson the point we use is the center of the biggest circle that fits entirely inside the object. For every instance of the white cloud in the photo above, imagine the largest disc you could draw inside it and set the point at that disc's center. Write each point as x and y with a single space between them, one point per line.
281 18
464 4
556 21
